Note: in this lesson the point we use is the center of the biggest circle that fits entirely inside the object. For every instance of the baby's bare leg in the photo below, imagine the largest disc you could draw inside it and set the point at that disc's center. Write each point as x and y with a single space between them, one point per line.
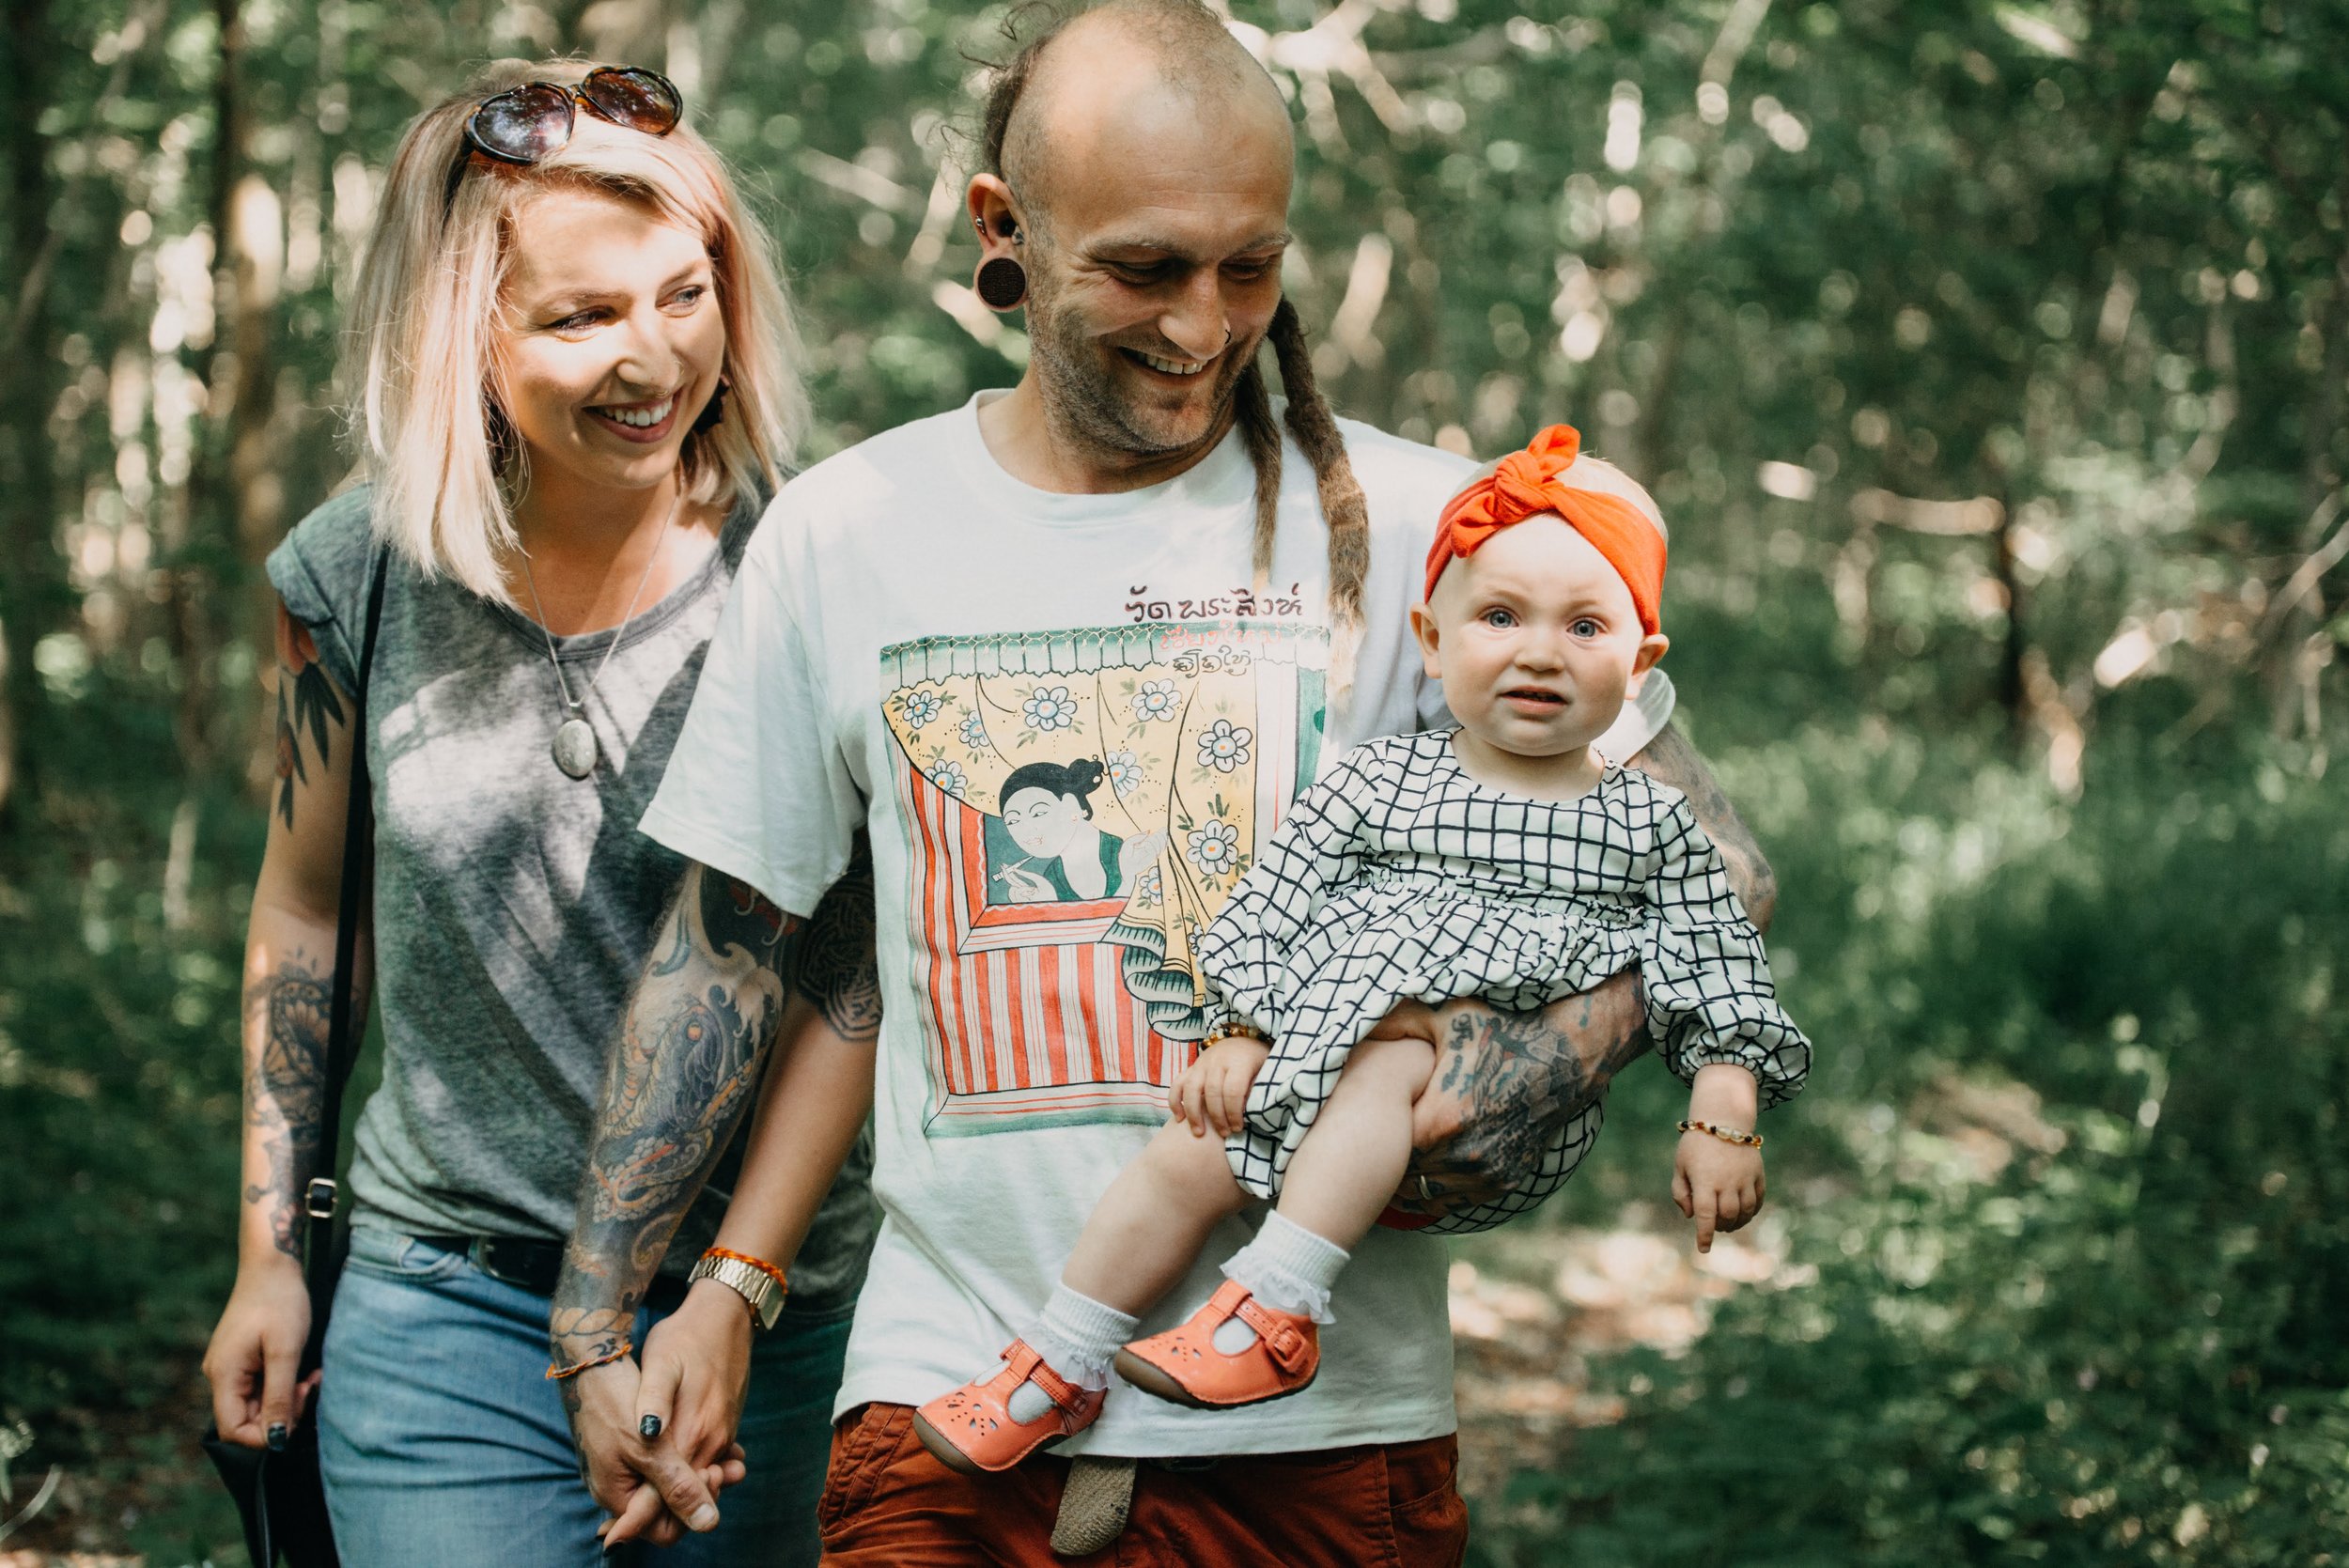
1149 1226
1345 1172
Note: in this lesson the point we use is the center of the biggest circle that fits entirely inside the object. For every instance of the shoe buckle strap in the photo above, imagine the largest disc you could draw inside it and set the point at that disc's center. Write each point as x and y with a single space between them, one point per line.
1064 1393
1282 1341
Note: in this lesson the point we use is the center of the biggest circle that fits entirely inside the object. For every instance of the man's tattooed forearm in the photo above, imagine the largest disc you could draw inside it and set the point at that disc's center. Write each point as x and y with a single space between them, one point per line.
685 1071
688 1066
587 1334
1518 1077
1669 758
285 1091
838 970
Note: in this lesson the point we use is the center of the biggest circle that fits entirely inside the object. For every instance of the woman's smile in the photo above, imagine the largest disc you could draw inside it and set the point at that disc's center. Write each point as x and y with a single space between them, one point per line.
645 423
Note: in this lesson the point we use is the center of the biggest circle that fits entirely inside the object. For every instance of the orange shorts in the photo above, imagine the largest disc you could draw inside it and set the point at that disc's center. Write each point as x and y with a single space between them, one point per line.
888 1504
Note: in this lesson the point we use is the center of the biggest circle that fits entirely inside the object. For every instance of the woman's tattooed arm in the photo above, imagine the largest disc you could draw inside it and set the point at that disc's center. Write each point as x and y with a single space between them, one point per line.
285 1088
1504 1082
289 949
686 1069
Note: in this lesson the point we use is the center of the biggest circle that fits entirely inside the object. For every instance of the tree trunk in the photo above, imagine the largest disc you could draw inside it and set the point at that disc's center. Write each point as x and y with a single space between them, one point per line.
2014 690
2285 672
32 584
235 500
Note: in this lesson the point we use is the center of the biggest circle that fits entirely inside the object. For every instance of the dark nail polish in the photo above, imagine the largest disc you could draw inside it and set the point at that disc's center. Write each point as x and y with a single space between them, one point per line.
651 1427
277 1438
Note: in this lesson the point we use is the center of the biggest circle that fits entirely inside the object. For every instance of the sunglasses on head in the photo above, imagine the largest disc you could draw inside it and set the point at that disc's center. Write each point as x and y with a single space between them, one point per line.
525 124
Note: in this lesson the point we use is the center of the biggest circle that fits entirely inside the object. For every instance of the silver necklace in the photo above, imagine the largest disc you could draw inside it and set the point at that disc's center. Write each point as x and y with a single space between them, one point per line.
575 748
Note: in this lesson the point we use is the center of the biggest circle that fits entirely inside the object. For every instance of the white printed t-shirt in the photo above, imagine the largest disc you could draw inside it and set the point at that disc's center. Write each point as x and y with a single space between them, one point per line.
910 629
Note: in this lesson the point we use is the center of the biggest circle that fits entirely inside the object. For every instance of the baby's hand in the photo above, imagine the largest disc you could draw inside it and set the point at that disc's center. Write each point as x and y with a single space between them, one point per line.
1212 1093
1717 1183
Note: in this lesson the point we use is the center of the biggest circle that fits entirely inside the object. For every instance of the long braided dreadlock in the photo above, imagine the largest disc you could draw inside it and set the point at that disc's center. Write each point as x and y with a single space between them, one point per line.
1310 422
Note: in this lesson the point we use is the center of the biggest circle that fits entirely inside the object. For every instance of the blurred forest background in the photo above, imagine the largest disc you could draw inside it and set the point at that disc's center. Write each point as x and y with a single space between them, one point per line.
1990 361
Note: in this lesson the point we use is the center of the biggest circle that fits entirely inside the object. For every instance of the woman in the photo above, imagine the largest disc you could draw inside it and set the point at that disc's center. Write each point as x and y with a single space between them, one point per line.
575 373
1060 854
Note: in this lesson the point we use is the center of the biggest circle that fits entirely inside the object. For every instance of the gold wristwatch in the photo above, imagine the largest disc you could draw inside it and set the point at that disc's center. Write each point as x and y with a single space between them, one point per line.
760 1284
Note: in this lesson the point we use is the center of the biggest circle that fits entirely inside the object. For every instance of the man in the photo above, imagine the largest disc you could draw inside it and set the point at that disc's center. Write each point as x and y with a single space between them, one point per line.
1115 568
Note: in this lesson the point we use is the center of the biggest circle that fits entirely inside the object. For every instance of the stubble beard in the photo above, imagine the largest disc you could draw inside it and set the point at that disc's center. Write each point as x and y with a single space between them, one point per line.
1091 406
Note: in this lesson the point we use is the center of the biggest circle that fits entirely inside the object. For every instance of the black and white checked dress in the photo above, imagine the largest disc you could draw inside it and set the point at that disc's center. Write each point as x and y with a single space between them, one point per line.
1399 876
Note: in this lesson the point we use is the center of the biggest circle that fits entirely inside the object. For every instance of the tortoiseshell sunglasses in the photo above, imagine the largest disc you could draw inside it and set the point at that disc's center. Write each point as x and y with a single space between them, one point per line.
522 125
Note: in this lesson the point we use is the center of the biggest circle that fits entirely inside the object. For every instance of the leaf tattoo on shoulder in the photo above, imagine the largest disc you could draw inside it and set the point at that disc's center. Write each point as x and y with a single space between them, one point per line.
305 701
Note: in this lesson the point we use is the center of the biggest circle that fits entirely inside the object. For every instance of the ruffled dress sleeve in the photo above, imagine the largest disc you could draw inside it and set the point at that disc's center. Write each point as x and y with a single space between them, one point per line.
1317 848
1707 981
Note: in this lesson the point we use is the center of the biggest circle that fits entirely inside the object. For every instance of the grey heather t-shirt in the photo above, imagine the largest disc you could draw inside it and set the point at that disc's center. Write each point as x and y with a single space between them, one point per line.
514 905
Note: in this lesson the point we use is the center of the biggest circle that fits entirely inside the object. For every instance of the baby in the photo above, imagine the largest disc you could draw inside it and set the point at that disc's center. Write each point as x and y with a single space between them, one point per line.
1504 860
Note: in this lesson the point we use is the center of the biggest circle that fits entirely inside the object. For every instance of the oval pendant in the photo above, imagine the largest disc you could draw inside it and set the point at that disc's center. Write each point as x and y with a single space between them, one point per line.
575 748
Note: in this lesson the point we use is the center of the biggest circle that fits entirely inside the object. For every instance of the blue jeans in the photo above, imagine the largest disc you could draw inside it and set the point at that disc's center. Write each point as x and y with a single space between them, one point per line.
443 1443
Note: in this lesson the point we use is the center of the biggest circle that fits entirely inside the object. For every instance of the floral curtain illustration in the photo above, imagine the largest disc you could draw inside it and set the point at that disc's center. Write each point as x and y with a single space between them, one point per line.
1196 731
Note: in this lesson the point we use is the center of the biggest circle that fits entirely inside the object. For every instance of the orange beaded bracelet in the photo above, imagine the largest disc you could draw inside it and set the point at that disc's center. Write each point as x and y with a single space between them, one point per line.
760 1263
556 1373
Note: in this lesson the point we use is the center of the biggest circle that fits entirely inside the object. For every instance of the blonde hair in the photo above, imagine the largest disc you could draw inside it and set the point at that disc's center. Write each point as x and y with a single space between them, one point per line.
420 364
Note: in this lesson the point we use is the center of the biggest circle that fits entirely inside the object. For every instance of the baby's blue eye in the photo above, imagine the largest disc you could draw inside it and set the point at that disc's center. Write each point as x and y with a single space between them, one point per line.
1500 618
1586 628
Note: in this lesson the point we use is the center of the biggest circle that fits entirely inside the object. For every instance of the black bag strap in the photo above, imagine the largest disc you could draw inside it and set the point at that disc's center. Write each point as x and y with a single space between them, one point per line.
323 1260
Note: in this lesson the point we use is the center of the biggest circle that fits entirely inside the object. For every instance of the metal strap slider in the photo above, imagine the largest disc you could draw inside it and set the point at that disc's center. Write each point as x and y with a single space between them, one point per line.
318 1199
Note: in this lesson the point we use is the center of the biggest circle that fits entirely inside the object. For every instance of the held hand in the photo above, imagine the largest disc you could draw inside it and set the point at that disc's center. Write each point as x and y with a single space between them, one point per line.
646 1483
697 1366
256 1351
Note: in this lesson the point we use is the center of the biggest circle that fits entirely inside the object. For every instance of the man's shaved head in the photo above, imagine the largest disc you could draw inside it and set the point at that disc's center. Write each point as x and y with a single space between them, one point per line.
1141 169
1136 167
1122 62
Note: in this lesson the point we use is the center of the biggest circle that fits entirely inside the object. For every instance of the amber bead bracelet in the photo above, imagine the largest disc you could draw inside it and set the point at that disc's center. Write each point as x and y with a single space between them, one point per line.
1727 1135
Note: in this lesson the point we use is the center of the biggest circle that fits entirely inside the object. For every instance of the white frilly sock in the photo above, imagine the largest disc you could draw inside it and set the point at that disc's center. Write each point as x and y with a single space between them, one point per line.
1289 1269
1078 1337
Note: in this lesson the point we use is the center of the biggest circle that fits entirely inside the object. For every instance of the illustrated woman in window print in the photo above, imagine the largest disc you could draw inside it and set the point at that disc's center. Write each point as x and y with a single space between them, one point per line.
1055 852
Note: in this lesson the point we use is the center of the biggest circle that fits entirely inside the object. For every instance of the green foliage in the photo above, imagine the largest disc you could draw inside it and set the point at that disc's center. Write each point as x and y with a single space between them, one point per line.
119 1110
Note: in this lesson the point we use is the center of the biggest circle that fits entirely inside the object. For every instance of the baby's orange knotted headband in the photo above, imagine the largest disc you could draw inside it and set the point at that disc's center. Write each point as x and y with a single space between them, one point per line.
1530 484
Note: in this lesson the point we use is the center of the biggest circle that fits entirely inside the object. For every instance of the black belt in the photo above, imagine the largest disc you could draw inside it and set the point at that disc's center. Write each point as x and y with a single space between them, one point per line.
536 1265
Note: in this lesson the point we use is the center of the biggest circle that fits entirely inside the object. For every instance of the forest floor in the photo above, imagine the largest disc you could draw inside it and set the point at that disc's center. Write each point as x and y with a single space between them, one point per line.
1532 1311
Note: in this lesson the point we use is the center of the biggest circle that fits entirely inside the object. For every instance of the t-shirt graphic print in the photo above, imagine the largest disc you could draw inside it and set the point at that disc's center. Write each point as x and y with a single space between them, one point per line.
1078 806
